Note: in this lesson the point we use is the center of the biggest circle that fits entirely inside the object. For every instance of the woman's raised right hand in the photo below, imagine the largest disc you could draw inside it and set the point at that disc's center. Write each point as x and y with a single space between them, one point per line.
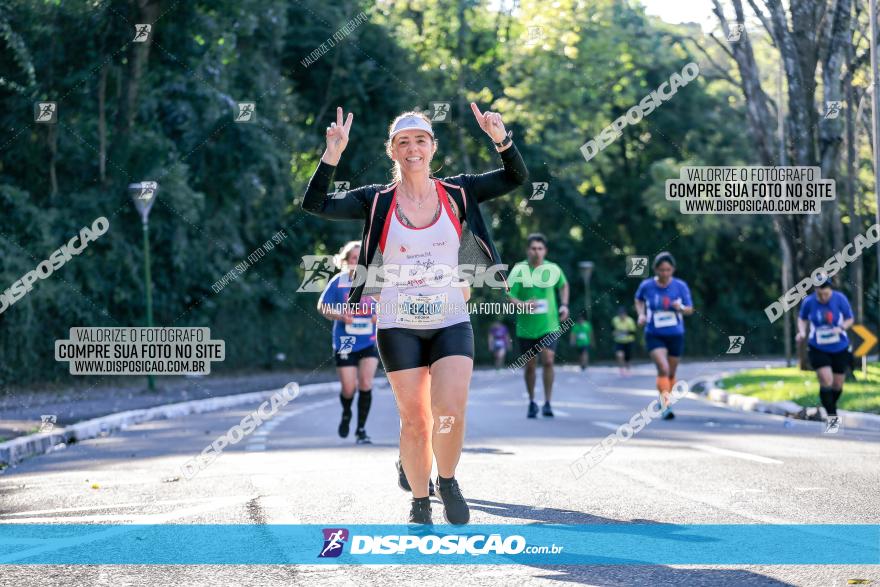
337 137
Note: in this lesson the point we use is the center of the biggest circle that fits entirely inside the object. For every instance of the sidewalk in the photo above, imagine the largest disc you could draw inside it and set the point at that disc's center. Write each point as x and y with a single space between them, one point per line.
21 412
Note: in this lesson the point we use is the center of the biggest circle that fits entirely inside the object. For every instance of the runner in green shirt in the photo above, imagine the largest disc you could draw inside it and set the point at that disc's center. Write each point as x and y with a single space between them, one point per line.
624 338
581 338
533 287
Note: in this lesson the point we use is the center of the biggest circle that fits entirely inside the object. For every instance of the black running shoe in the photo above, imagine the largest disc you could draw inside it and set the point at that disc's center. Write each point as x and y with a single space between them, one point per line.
343 424
403 483
533 410
667 414
362 437
546 411
420 512
455 508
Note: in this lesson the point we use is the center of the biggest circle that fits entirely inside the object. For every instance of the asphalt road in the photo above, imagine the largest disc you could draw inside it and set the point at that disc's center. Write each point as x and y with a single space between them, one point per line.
711 465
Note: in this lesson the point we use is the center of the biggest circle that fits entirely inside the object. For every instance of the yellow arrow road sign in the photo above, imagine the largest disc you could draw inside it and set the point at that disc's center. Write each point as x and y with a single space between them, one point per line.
868 340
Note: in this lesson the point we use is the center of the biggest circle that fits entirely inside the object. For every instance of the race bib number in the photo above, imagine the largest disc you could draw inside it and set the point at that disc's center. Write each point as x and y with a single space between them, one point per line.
420 310
541 307
827 335
665 319
360 325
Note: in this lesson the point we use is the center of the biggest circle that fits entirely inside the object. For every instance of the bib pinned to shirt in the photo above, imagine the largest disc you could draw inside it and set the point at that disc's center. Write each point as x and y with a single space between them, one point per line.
541 307
664 319
360 325
420 310
827 335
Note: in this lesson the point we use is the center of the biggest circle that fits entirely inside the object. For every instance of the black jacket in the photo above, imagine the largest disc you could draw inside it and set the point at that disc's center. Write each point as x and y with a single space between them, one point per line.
372 203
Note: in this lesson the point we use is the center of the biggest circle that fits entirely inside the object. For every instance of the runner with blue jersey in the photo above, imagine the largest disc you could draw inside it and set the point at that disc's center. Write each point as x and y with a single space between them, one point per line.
354 341
829 315
662 303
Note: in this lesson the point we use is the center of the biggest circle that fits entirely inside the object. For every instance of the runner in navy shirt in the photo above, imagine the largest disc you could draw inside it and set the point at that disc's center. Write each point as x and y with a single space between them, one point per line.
354 341
662 303
829 315
499 342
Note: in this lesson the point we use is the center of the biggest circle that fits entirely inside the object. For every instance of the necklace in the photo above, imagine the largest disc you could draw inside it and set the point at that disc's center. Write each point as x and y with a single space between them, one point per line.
418 202
409 222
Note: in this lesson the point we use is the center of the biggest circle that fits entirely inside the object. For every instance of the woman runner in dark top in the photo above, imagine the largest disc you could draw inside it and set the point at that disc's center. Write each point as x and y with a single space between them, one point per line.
425 339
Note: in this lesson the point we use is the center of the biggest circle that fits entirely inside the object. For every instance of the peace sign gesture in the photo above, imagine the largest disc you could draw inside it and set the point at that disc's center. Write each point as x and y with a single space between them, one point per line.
337 137
491 123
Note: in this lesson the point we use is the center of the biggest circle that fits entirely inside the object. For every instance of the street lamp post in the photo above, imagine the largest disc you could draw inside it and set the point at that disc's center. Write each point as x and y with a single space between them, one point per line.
586 269
875 102
143 195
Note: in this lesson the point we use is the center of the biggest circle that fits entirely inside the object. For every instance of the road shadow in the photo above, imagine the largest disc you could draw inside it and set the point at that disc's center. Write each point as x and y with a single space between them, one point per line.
631 575
616 573
536 514
483 450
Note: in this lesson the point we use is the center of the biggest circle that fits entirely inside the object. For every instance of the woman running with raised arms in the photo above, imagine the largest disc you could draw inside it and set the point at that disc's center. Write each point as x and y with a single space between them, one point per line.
425 338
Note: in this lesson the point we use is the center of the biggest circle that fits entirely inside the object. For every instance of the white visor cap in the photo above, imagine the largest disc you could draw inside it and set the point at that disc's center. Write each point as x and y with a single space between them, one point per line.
411 123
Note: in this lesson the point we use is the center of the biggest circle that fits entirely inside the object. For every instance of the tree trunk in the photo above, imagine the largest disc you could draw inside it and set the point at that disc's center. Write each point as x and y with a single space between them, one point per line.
786 278
102 125
52 142
797 31
146 11
855 224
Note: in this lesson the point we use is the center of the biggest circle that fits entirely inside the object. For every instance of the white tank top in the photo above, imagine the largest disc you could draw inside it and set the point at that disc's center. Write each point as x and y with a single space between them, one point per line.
433 301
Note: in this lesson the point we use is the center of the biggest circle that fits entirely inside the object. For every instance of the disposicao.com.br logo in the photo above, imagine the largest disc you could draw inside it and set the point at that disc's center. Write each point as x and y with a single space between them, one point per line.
334 540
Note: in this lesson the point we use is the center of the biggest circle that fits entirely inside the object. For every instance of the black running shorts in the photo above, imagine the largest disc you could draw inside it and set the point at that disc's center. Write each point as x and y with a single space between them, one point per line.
625 348
838 361
408 348
536 345
353 359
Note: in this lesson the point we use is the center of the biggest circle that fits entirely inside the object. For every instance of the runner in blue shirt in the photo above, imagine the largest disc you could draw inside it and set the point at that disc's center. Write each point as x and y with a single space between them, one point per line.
354 341
662 302
829 315
499 342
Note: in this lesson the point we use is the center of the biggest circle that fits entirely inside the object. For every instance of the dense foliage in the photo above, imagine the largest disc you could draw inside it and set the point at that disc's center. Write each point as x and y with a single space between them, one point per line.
164 111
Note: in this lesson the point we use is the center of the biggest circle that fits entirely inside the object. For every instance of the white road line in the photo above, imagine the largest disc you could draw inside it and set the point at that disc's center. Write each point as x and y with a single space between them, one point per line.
114 506
525 403
607 425
717 503
735 454
629 391
135 518
257 440
123 529
706 499
278 511
586 406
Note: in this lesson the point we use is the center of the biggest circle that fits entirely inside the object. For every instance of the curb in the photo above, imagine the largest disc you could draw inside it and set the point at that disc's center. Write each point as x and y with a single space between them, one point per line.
18 449
709 390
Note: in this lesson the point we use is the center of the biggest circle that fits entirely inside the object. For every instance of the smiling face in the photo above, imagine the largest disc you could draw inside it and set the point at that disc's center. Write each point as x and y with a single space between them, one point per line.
413 151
